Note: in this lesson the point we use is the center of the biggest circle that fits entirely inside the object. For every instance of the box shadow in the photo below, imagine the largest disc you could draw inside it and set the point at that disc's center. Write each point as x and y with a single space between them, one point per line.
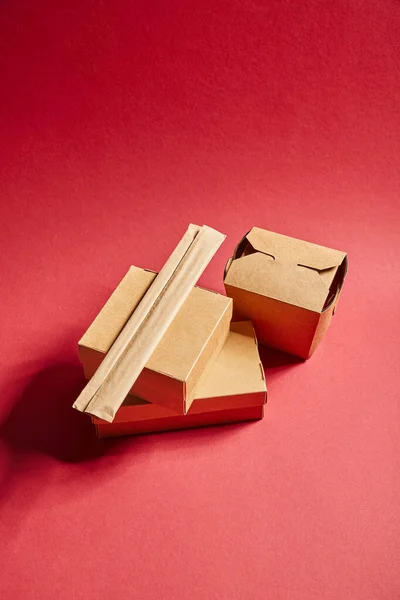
276 363
42 419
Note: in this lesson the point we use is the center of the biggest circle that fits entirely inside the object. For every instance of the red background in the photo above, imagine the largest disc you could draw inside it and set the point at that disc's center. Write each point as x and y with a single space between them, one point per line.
121 122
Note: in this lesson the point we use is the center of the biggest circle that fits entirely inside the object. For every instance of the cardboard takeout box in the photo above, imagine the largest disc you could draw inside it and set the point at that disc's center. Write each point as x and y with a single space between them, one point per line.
232 389
289 288
190 344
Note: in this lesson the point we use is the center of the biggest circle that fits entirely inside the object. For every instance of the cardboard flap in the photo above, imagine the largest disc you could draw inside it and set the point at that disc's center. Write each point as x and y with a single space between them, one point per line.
283 281
287 269
291 250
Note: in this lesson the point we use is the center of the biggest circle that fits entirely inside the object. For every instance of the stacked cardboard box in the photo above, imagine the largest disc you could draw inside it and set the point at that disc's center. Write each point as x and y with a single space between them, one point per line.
202 362
163 354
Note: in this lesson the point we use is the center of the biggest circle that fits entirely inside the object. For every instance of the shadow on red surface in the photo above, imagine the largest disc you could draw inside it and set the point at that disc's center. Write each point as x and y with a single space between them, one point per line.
42 423
43 429
42 420
47 446
276 363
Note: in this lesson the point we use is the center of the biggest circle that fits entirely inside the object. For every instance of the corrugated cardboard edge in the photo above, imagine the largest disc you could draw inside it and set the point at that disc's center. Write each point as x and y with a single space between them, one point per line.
130 352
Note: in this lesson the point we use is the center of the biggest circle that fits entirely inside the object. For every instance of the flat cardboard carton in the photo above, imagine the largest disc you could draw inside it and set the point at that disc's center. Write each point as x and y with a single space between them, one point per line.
289 288
190 344
232 389
220 417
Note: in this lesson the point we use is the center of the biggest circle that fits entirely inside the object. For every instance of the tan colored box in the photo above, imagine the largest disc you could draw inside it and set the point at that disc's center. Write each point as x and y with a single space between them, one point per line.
232 389
289 288
190 344
220 417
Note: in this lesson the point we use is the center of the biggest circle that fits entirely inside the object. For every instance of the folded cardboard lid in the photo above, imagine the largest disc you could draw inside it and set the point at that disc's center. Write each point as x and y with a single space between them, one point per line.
183 341
287 269
295 251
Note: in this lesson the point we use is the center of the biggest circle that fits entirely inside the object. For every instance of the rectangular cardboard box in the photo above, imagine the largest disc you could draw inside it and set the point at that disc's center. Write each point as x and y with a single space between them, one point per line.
233 388
221 417
289 288
192 341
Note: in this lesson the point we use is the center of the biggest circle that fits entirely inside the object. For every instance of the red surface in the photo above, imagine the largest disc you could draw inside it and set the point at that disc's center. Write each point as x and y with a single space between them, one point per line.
120 123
